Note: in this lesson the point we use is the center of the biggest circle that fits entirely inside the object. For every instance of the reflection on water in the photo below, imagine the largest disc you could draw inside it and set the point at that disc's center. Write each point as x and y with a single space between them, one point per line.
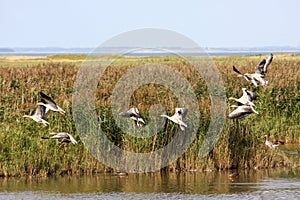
253 184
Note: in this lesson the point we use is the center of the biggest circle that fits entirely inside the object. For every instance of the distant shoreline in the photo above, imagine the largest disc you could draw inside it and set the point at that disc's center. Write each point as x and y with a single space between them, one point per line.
205 53
149 51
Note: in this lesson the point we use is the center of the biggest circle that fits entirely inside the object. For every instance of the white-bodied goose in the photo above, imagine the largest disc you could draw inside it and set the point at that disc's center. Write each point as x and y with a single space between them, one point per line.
262 68
50 104
133 113
246 98
269 143
62 136
252 96
180 113
255 78
39 115
241 112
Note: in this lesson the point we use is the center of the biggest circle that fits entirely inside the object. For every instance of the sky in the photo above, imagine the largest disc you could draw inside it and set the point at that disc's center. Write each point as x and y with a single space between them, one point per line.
210 23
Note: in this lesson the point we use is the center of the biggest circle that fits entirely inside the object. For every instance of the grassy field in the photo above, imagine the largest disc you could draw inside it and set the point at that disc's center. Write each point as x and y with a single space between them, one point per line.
241 145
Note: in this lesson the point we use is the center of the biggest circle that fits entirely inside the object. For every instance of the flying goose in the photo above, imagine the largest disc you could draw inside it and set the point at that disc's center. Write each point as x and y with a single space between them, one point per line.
269 143
246 98
39 115
262 68
50 104
255 78
252 96
133 113
180 113
241 112
62 136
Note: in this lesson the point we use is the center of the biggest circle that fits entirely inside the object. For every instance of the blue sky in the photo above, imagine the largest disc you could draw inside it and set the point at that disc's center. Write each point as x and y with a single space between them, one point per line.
210 23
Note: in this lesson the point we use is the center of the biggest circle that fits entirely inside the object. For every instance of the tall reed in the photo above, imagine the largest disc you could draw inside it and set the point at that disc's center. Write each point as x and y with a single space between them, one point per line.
241 144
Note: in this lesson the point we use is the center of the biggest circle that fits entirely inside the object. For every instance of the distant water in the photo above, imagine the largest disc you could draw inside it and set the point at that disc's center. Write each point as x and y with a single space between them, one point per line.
234 53
221 53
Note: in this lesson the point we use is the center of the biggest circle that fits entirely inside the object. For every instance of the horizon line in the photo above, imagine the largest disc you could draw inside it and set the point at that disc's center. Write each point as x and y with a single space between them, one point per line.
162 47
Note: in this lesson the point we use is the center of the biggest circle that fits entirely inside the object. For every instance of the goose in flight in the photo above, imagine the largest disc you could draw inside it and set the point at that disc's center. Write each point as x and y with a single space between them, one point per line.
269 143
133 113
39 115
255 78
180 113
252 96
246 98
62 136
241 112
262 68
50 104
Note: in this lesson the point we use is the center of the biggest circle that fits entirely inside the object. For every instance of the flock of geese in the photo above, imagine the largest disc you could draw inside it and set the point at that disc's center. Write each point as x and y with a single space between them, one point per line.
244 108
177 118
43 108
245 105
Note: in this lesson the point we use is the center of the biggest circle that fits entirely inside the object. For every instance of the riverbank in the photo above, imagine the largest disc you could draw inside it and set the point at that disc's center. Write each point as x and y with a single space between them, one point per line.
241 145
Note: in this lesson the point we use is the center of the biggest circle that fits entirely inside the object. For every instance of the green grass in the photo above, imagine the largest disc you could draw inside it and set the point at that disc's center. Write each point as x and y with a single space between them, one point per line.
68 56
241 145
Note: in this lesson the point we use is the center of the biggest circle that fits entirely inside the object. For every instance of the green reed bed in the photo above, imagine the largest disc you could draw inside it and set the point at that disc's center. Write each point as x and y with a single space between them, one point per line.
241 144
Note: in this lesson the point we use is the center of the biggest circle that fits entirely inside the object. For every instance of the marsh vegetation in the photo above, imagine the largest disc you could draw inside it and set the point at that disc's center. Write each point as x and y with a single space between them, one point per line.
241 144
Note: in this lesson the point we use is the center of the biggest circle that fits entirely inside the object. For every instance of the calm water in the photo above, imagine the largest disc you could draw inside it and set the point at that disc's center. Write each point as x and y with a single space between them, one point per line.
259 184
